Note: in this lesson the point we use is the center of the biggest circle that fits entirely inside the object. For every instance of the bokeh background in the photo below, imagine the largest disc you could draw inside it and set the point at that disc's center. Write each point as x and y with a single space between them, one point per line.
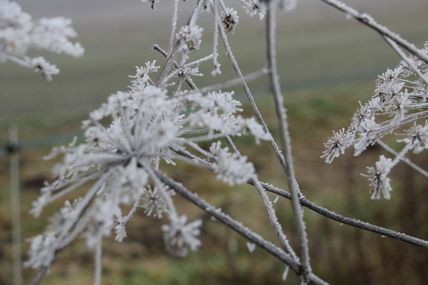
327 62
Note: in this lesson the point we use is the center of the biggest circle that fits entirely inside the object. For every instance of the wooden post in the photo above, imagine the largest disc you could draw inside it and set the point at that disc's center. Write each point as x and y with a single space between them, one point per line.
13 151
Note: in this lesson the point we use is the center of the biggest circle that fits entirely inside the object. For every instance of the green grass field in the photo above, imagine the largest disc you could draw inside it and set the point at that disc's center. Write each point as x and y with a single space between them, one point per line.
327 64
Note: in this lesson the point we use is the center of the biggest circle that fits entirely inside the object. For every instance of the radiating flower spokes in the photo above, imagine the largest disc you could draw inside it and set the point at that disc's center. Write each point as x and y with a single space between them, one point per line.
399 100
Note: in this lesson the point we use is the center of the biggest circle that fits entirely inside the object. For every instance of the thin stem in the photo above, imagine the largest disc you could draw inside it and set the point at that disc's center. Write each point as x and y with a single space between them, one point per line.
236 82
248 93
321 210
98 262
407 161
382 30
406 59
285 137
236 226
188 80
273 218
349 221
172 54
72 229
174 26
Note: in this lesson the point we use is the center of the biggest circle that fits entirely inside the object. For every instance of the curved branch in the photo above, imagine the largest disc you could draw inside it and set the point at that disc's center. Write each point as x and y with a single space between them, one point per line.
237 227
349 221
285 138
324 211
368 20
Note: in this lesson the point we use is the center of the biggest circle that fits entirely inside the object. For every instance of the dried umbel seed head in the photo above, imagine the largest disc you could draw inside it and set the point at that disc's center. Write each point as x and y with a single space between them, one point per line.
230 19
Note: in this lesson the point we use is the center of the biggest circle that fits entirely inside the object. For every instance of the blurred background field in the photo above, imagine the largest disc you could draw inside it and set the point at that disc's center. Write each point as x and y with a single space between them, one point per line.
327 64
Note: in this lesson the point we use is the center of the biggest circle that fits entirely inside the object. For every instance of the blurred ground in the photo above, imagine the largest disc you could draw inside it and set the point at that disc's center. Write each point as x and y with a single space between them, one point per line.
327 64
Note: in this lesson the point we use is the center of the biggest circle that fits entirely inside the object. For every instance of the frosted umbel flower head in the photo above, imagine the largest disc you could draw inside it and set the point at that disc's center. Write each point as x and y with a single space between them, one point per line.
126 141
397 108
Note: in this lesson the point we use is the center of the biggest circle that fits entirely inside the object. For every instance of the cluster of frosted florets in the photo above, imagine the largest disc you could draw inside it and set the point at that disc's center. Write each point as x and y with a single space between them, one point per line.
19 33
181 236
399 102
125 142
190 37
129 138
230 167
255 8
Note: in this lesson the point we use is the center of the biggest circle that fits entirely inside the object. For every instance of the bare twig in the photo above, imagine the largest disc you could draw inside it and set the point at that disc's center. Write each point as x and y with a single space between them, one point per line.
323 211
237 81
174 26
285 138
98 262
248 94
349 221
382 30
253 104
237 226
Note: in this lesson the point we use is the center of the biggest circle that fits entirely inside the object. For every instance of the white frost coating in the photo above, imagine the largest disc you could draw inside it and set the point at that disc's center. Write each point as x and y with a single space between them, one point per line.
288 5
255 8
124 141
19 34
45 68
190 37
378 178
181 237
130 137
399 102
231 168
336 145
251 247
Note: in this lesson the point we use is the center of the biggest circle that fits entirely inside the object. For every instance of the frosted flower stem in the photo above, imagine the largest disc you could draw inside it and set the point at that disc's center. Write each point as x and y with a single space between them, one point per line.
406 59
98 262
407 161
281 113
321 210
188 80
273 218
249 95
370 22
237 227
237 81
174 26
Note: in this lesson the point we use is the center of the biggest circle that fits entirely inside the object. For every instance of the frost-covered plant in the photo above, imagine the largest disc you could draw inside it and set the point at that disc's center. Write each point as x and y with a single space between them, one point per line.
125 141
397 108
19 33
166 118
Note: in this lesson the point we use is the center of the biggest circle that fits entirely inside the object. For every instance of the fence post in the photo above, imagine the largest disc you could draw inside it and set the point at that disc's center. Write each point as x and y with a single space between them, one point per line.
13 150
